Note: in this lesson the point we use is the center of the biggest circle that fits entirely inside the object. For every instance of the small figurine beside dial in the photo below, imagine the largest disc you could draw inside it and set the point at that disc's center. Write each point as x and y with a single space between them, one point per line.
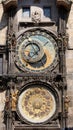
36 51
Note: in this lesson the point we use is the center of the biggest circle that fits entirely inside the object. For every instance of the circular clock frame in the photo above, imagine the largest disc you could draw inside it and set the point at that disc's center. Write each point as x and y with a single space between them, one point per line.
38 53
25 112
46 59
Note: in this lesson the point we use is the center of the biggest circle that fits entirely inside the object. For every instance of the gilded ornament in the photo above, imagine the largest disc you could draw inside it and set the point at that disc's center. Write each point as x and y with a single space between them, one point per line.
36 104
66 102
14 100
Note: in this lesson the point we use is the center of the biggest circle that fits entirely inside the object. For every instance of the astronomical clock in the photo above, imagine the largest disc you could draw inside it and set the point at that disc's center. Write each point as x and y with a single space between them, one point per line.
34 76
35 97
36 51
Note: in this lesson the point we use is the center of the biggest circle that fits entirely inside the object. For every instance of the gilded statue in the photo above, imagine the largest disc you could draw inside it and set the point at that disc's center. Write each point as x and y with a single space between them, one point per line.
67 101
14 99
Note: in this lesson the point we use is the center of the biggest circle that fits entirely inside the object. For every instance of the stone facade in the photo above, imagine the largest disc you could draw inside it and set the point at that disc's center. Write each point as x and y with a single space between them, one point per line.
3 26
3 32
69 58
69 66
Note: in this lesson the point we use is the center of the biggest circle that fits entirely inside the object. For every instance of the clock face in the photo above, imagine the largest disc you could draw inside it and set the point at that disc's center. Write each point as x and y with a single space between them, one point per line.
36 104
36 51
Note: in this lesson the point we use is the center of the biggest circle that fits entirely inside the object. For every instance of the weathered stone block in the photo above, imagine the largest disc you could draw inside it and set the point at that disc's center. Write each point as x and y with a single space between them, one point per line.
69 61
3 26
70 117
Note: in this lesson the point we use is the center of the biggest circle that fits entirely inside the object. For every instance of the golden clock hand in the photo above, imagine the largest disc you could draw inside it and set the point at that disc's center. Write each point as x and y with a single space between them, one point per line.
28 51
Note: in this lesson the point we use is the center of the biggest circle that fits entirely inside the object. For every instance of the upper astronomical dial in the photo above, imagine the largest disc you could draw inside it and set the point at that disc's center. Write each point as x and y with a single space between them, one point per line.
36 51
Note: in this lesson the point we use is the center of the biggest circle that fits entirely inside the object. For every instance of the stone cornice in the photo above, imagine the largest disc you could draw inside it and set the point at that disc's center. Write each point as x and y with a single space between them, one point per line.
9 3
64 3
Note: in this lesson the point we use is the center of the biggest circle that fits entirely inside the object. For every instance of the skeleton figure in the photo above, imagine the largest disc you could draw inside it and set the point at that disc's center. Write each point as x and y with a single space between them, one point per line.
36 17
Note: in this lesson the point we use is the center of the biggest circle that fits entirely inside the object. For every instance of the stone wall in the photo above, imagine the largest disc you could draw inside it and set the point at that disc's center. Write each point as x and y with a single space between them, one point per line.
69 66
3 26
3 31
2 104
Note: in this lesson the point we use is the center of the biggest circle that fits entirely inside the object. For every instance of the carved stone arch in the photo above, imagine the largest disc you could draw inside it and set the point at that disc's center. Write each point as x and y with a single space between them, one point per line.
20 33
